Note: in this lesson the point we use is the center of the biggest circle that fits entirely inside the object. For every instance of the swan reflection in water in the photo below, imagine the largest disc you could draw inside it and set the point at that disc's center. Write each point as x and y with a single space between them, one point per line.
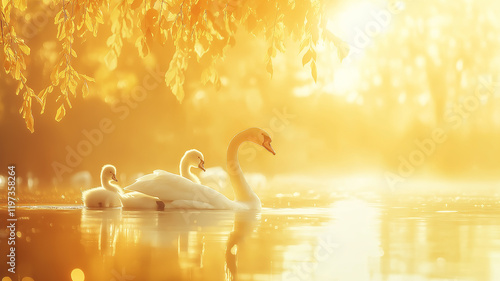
245 222
138 241
103 224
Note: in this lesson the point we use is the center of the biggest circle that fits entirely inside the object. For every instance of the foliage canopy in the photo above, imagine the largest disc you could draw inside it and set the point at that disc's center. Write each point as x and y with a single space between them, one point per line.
199 31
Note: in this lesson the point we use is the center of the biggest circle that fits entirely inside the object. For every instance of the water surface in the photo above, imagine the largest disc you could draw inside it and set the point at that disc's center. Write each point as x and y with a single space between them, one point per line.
350 238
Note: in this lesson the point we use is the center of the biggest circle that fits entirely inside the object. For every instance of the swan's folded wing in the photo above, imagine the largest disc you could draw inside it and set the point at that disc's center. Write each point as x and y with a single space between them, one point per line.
164 185
140 201
170 187
161 172
134 194
152 176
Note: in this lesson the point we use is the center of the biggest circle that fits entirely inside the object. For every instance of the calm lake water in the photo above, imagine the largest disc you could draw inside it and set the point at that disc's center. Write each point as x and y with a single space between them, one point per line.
346 238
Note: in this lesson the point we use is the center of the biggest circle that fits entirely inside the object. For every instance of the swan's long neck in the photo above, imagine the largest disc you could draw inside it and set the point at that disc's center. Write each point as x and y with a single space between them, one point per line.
106 183
185 169
242 191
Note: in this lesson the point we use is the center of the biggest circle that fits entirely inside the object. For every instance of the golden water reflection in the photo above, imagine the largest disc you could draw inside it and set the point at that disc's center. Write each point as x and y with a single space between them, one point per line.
352 239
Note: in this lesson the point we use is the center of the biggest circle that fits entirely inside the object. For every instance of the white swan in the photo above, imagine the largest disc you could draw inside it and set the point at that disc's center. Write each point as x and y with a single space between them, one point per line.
110 195
105 196
192 158
179 192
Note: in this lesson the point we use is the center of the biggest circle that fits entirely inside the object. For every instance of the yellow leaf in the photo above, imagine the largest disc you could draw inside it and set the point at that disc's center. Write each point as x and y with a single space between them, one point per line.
30 123
142 46
269 67
111 60
343 51
314 71
178 91
19 88
170 75
54 76
25 49
198 48
58 18
20 4
67 101
342 47
61 111
307 57
6 66
88 23
111 40
85 90
17 73
99 17
88 78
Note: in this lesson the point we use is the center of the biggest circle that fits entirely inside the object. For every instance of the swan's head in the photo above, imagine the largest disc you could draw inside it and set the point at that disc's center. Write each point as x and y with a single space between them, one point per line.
260 137
194 158
109 172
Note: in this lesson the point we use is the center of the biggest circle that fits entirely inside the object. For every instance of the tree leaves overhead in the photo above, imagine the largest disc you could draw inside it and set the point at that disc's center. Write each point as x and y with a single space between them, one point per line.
198 29
15 56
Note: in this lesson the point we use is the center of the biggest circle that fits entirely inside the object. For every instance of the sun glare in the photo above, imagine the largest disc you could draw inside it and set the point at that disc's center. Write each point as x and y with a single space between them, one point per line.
359 19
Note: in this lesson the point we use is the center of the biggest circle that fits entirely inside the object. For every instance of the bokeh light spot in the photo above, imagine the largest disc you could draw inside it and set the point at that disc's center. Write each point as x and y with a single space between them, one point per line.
77 275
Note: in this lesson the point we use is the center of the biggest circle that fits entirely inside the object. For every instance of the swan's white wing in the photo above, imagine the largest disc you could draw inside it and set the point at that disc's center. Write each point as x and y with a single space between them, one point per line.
137 200
135 194
155 174
170 187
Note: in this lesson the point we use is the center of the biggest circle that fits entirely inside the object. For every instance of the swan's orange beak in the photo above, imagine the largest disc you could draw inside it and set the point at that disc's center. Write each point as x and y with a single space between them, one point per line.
267 145
114 177
202 165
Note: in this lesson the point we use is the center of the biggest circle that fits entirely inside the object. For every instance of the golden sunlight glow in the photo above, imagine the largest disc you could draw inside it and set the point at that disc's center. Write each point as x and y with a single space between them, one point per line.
344 79
347 249
350 16
377 156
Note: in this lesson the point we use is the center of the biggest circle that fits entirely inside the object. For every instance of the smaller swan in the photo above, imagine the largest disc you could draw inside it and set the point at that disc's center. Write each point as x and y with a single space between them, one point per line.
97 197
105 196
192 158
